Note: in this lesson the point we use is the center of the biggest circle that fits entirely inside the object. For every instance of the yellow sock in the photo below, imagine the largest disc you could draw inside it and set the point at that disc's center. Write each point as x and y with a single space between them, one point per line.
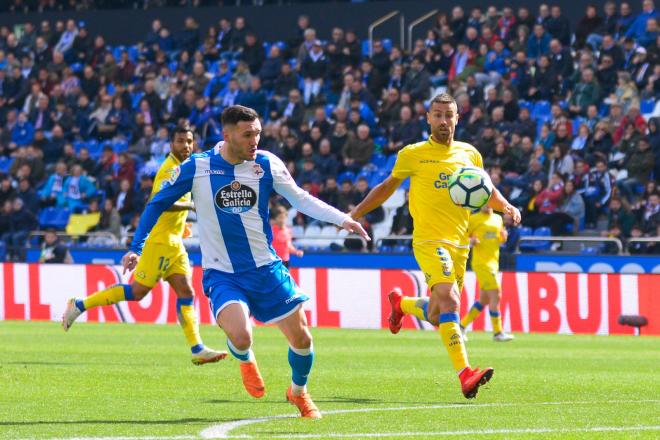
188 320
451 337
496 320
111 295
412 305
472 314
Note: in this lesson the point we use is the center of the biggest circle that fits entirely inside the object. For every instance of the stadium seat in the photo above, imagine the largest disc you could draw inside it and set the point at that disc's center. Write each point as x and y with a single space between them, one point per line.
56 218
379 160
526 104
364 173
377 177
380 142
5 164
346 175
389 165
329 108
387 45
365 48
405 184
647 106
541 110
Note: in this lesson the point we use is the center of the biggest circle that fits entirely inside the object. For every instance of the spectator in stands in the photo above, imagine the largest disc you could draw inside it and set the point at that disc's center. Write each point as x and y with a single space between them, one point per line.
619 220
538 43
560 161
584 94
600 144
405 132
125 201
271 68
358 149
21 223
52 194
7 191
596 189
648 213
639 163
28 195
110 220
77 189
282 236
53 251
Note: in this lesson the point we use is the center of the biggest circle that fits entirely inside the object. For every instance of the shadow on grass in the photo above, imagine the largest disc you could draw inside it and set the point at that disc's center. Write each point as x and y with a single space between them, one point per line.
119 422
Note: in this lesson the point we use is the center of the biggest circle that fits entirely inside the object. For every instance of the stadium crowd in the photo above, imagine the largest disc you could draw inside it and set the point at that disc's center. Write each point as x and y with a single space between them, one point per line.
564 113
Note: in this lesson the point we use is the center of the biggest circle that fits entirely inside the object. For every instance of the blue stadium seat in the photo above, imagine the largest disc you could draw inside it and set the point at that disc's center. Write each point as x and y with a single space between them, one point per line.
541 110
120 146
383 248
346 175
379 160
390 162
576 124
380 142
364 173
365 48
3 251
526 104
387 45
329 108
647 106
405 184
377 177
5 164
95 148
543 232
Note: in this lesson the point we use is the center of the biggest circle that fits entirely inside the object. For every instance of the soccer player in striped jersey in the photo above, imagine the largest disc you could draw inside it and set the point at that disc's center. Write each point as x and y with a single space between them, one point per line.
487 232
231 186
440 239
164 256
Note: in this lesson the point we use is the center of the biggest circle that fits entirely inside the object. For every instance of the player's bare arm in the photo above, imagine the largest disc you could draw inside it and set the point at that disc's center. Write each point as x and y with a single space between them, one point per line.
376 197
499 203
181 206
129 261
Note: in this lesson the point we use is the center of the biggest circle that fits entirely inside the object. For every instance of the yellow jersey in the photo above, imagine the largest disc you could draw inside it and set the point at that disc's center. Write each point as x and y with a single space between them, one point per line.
487 228
429 164
170 225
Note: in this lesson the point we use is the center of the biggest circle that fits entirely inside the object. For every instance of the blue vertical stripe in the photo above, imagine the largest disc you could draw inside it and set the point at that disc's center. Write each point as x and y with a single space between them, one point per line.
265 189
233 231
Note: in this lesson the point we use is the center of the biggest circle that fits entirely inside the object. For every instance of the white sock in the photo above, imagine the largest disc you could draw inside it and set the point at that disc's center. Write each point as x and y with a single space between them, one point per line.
297 390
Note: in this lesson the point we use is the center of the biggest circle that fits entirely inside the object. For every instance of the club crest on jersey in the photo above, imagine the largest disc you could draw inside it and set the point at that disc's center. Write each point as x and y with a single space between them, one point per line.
258 171
235 198
174 174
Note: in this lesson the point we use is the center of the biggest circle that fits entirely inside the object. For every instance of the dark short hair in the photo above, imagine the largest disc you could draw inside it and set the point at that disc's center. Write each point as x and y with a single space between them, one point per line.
442 98
184 128
236 113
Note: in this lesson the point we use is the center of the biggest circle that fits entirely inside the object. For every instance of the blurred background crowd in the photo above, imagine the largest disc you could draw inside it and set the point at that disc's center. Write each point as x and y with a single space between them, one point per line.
563 111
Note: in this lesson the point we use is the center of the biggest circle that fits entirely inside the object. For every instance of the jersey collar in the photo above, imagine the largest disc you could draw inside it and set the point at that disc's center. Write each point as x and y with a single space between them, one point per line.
435 143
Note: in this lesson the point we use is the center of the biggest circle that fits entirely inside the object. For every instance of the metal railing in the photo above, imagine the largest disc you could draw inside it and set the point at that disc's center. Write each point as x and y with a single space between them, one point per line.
379 242
616 241
380 21
323 239
417 21
641 240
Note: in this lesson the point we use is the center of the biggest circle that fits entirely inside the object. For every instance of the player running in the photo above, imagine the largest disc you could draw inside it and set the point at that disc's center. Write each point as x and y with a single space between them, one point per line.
440 239
487 232
231 186
164 256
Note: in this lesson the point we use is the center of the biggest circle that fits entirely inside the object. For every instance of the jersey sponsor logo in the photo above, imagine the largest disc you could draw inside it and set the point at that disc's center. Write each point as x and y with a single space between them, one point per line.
235 198
214 171
443 181
174 174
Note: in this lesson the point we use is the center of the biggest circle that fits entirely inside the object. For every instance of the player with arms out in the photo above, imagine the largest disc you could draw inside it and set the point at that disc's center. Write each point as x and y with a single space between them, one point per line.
440 234
164 256
231 185
487 233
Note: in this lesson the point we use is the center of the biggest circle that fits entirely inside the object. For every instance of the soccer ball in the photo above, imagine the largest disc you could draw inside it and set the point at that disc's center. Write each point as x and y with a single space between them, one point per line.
470 187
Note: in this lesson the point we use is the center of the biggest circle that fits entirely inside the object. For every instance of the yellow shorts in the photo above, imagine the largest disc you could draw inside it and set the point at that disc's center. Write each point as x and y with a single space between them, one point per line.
487 278
160 261
441 263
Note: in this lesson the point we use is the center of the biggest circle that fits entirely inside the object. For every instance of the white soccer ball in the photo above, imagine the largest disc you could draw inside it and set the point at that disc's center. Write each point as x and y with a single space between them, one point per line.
470 187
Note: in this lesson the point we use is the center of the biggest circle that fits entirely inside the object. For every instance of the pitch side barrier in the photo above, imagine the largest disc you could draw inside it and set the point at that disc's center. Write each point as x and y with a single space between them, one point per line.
354 298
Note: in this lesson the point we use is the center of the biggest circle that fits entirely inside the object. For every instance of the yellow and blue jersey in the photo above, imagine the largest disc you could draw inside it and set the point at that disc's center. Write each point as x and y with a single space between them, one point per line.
170 226
429 164
487 228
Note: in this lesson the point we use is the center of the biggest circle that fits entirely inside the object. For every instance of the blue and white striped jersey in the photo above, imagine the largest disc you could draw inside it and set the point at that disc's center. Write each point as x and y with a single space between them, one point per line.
232 207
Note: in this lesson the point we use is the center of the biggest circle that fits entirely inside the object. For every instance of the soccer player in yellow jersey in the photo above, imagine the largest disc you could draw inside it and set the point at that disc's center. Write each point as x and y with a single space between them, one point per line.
487 232
440 236
164 256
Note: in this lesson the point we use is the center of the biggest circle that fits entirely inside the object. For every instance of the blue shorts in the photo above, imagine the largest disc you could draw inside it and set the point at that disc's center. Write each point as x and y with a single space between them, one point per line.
269 291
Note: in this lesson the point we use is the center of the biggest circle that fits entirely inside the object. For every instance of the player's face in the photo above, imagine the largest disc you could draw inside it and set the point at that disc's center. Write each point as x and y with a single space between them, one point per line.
243 139
442 118
182 145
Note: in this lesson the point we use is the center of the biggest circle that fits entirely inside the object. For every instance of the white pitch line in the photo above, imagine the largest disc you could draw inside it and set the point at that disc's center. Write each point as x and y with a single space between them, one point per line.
223 430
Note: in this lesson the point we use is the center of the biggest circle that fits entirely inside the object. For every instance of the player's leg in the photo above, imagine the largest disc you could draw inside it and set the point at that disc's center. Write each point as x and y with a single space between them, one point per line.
494 297
478 305
235 322
187 316
108 296
301 358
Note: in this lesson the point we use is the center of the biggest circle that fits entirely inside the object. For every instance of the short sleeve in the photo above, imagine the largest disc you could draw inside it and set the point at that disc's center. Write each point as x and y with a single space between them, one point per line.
403 166
477 160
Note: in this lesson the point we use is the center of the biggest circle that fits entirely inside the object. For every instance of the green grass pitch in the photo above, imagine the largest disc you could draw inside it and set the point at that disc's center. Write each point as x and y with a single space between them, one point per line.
114 380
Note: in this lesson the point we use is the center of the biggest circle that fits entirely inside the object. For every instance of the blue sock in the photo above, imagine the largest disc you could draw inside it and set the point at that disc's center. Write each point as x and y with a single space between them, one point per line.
301 360
80 304
241 355
494 314
477 305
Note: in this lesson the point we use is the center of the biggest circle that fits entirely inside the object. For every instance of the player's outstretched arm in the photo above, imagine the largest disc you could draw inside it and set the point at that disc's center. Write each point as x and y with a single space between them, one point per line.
376 197
163 199
499 203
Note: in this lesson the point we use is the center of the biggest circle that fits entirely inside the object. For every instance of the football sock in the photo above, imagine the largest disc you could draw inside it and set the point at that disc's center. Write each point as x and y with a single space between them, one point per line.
241 355
413 305
451 337
496 320
476 308
106 297
185 311
301 360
